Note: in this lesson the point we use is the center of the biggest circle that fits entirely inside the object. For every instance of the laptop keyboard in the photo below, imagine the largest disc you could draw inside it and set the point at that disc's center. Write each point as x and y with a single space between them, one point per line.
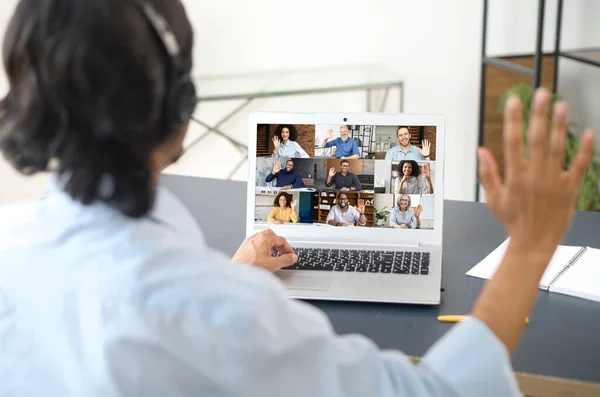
336 260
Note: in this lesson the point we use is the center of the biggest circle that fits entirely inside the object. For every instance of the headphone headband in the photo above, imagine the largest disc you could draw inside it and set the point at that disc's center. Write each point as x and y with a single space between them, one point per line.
162 28
180 98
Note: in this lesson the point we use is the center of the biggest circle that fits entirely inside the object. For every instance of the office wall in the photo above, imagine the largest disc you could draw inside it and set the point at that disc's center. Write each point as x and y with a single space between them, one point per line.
434 45
14 186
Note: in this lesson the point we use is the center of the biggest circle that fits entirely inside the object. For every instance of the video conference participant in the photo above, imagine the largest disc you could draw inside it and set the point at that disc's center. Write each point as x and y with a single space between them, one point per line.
410 182
344 214
345 147
284 143
407 151
343 180
284 210
287 178
404 217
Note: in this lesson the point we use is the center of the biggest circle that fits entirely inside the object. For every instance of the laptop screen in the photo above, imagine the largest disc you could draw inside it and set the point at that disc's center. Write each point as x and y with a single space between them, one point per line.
374 176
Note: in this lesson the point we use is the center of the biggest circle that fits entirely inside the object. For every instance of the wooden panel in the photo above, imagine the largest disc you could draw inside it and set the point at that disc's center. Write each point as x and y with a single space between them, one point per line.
497 82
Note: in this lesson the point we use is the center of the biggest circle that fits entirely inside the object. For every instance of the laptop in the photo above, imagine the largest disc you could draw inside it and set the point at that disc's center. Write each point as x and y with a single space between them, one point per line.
375 241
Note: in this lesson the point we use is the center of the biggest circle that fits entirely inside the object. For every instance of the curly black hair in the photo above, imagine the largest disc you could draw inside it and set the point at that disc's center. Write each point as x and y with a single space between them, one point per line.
288 198
416 170
291 129
86 92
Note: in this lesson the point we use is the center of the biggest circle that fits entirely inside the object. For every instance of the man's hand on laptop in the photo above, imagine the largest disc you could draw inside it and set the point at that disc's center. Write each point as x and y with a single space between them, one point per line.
266 250
535 203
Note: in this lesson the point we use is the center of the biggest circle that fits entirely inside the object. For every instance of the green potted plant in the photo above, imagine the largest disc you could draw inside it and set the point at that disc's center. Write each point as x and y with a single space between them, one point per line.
381 215
589 195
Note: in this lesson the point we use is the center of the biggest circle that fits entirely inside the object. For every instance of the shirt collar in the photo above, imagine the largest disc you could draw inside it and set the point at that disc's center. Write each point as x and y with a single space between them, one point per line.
166 207
410 148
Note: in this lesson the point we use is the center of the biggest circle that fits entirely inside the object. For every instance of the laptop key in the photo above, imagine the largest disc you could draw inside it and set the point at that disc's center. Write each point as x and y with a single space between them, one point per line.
325 259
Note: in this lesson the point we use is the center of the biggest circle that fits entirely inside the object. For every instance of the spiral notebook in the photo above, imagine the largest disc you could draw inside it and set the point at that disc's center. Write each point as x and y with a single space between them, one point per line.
573 271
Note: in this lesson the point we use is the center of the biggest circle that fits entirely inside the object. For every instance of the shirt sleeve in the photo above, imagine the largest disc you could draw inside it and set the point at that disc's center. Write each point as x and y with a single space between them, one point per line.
332 179
331 143
355 147
272 214
393 217
301 152
298 182
423 185
293 216
357 185
290 349
389 155
330 214
270 177
231 330
413 222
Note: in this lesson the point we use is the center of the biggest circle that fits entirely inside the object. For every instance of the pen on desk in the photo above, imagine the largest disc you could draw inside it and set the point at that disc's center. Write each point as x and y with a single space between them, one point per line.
456 318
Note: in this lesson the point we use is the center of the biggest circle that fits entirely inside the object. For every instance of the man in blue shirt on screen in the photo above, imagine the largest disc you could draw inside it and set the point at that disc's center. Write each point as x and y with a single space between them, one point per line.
345 147
287 178
406 150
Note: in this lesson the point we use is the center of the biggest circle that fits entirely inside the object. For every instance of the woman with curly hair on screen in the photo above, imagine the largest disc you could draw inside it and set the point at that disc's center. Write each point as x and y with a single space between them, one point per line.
284 209
408 181
284 142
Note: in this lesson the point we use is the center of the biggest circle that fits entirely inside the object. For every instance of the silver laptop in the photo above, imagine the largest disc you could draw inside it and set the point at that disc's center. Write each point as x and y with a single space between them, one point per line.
359 196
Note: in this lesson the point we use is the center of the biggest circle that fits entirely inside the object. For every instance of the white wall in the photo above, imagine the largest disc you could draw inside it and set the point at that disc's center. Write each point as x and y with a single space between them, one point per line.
434 45
14 186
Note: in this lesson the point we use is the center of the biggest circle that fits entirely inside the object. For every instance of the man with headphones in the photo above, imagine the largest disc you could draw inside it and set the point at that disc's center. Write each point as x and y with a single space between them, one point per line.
107 287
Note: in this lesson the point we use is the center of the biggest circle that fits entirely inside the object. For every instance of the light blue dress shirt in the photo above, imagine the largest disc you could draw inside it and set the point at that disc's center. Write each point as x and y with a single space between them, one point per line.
291 149
397 154
398 218
96 304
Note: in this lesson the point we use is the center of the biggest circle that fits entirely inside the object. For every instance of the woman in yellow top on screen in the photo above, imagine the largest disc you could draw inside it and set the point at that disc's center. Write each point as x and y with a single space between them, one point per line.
284 210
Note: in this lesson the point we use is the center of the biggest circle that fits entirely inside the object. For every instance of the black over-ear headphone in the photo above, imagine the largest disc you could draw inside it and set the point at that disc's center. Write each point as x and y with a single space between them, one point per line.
180 96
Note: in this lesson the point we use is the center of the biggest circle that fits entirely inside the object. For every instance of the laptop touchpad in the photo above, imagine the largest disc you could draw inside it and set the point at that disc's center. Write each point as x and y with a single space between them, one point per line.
306 282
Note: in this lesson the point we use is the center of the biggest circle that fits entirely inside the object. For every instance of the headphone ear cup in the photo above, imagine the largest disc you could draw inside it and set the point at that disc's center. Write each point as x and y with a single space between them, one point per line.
181 103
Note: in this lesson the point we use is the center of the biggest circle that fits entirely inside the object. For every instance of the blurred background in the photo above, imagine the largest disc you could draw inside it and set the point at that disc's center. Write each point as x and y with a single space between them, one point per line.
423 56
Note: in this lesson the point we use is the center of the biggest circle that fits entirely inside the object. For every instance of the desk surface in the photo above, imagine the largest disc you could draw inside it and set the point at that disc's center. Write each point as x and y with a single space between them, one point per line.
562 339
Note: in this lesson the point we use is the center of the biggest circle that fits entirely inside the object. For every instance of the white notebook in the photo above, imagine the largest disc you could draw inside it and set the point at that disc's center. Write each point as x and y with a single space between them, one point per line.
573 271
